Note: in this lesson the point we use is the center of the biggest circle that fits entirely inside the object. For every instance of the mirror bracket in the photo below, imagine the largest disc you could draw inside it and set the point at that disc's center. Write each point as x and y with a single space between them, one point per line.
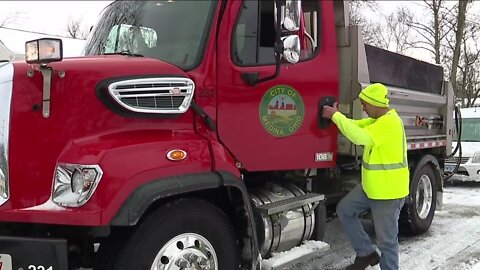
250 78
47 84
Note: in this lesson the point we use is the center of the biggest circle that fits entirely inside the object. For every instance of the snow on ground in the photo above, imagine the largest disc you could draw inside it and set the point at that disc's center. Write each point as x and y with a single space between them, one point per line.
278 260
453 241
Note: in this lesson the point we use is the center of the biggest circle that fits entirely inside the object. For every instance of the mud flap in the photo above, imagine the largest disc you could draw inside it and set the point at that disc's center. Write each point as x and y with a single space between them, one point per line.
33 253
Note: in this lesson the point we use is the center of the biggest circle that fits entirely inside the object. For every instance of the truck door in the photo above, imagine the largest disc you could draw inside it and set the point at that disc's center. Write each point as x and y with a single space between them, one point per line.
273 125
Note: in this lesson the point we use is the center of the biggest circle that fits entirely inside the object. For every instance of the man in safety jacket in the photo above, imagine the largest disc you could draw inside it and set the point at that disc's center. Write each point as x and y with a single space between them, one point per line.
385 178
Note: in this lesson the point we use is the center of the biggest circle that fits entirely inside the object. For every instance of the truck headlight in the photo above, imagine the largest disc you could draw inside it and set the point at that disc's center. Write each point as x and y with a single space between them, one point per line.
43 51
74 184
476 157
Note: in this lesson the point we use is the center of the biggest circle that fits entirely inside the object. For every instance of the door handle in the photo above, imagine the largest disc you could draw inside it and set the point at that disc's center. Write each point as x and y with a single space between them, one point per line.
330 101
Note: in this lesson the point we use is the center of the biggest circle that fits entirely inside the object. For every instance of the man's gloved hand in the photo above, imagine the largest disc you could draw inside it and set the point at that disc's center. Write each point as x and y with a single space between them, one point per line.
328 111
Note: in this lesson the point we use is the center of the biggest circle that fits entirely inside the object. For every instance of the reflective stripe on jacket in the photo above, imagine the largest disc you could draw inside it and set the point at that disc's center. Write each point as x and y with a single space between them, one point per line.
385 172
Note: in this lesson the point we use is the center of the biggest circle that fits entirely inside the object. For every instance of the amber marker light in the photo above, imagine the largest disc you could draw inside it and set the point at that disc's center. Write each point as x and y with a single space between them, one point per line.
176 155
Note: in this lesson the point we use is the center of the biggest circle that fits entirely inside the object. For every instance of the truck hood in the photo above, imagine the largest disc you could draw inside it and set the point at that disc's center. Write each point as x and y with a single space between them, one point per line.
32 144
118 64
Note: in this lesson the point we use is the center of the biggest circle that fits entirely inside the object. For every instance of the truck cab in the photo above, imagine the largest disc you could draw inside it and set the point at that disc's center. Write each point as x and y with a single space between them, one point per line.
468 158
190 136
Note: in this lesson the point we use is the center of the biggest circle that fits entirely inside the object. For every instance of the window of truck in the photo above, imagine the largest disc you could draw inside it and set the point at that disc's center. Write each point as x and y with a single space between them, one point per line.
470 130
253 39
171 31
131 38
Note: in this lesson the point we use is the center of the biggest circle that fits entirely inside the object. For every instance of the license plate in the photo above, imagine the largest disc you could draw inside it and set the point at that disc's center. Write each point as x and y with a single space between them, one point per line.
449 168
5 262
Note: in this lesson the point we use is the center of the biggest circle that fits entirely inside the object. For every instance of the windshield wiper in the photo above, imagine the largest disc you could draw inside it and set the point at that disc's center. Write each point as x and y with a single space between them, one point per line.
127 52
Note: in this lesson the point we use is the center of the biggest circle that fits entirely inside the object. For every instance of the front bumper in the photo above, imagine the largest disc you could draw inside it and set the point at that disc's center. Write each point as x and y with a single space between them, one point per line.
466 172
33 253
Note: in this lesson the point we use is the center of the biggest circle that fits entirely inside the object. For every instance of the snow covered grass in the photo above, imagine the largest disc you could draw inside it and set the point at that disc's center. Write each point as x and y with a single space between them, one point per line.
453 241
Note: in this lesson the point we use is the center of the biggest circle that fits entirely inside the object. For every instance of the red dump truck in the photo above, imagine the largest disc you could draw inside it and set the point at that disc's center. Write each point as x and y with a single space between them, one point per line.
189 136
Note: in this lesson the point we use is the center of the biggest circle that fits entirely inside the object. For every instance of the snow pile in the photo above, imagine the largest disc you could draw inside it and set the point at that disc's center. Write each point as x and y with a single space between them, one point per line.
282 259
47 206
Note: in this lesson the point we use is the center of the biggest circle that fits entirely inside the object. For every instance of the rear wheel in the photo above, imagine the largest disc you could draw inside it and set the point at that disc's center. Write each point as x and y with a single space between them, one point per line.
185 234
417 213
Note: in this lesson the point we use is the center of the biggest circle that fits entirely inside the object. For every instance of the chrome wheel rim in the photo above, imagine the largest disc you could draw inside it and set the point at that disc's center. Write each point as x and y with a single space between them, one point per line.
188 251
424 196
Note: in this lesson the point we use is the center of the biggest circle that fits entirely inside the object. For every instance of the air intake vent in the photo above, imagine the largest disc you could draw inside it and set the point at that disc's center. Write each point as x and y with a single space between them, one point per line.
154 95
455 160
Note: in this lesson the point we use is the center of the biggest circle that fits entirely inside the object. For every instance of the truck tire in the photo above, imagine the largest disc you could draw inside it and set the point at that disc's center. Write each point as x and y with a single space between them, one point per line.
418 211
318 233
183 234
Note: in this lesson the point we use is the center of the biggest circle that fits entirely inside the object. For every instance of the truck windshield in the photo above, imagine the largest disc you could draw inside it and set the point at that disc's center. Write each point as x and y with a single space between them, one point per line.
470 130
172 31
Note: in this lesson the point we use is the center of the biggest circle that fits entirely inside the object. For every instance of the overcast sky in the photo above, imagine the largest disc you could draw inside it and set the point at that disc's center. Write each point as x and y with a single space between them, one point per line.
50 16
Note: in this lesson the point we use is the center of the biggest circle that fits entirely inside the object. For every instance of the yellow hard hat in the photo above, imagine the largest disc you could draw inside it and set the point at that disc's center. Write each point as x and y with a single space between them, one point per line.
375 95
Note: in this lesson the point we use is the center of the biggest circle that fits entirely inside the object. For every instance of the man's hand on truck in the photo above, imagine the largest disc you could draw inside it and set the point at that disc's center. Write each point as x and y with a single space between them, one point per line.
328 111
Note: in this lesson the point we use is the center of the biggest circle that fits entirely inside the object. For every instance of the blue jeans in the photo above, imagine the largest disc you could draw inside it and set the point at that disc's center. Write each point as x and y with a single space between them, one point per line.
385 215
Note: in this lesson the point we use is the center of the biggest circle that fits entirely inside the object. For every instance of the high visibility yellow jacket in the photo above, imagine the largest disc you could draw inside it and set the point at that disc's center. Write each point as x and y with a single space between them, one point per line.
385 172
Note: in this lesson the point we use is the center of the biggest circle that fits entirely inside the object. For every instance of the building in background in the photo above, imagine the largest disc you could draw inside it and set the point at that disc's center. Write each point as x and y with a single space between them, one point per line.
12 43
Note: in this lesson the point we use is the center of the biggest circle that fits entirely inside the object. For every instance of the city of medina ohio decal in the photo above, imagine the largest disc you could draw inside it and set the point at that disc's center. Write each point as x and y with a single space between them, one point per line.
281 111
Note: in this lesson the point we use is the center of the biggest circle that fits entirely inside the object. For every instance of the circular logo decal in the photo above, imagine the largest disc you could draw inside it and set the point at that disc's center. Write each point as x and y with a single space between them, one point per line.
281 111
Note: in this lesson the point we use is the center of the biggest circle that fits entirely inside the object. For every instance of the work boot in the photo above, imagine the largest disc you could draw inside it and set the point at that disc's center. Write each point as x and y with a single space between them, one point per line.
361 263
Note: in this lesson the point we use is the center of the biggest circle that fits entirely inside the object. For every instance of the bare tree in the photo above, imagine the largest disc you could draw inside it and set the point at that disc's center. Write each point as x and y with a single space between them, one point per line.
75 29
398 32
373 33
388 33
459 32
10 18
446 36
355 10
430 31
468 81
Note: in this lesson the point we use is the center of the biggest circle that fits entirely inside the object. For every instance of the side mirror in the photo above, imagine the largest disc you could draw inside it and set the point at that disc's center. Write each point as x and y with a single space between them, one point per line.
291 48
291 15
287 20
43 51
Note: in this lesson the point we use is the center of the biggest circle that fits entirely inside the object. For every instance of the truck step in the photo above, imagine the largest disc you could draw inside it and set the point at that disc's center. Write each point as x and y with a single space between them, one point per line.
291 203
303 253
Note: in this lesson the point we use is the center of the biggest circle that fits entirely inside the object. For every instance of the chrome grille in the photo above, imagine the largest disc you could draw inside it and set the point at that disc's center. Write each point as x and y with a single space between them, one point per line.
6 86
455 160
154 102
154 95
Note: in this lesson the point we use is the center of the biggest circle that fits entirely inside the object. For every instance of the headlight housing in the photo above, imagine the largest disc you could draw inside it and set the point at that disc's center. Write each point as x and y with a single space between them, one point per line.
43 51
476 157
74 184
